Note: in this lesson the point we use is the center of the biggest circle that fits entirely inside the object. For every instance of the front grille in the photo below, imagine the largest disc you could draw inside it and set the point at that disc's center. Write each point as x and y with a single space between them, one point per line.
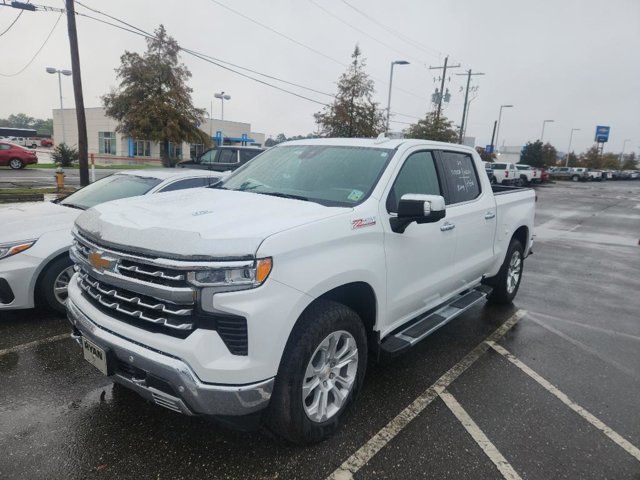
141 307
168 305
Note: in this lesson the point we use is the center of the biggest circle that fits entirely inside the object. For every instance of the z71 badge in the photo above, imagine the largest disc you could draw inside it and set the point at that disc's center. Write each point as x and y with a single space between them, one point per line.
363 222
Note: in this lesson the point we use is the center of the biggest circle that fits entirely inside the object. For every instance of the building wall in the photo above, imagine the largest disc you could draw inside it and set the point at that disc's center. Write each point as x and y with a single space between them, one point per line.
509 154
98 122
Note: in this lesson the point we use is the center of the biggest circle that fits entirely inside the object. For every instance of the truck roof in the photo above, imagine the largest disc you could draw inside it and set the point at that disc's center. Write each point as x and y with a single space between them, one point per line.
386 143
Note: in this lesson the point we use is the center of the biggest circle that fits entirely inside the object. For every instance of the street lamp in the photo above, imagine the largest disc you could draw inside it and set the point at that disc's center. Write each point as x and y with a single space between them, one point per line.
624 146
66 73
566 163
395 62
222 98
498 128
543 125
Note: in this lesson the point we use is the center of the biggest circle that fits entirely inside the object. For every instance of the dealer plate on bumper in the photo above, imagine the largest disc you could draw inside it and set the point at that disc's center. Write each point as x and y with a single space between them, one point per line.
95 355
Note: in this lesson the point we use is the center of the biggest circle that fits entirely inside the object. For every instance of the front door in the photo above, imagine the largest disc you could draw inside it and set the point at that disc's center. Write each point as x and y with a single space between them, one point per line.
418 260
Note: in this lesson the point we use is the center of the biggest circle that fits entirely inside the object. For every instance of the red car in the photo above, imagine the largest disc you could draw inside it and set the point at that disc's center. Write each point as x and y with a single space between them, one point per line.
544 175
46 142
16 156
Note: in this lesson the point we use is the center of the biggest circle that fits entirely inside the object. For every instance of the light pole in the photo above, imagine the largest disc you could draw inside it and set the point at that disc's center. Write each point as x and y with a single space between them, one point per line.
395 62
67 73
566 163
544 122
498 127
222 98
624 146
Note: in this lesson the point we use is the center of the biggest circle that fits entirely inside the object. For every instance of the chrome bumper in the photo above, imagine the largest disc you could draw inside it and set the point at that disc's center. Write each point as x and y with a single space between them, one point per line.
144 370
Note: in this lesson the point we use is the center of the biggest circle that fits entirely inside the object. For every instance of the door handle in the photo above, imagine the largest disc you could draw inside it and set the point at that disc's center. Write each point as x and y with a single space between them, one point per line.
447 226
489 215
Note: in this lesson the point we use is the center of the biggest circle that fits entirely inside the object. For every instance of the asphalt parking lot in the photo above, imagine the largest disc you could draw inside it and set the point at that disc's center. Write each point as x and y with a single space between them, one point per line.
42 177
556 395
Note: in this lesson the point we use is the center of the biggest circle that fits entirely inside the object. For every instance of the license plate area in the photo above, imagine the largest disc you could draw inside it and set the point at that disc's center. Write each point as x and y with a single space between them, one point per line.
96 356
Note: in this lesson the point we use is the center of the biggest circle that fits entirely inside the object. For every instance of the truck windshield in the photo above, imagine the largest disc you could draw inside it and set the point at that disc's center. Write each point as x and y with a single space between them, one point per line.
329 175
110 188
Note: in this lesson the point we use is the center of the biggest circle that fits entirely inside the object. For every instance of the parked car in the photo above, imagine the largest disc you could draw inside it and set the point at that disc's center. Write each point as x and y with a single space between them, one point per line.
272 290
528 174
489 171
35 237
24 142
580 174
595 175
46 142
222 159
506 173
544 175
15 156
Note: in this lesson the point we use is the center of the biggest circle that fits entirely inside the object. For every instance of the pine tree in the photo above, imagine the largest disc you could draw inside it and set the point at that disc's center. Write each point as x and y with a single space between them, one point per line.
430 128
353 113
153 101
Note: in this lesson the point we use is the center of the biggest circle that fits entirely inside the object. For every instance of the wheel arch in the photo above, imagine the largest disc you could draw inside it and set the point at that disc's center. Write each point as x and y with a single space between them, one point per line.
37 278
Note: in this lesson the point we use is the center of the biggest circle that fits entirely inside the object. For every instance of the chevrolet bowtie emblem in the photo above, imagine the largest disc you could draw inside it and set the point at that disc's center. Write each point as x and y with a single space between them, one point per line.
98 261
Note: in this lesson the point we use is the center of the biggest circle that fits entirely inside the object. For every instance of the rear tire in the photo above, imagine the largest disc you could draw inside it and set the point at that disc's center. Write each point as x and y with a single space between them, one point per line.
575 178
52 288
16 163
306 362
507 282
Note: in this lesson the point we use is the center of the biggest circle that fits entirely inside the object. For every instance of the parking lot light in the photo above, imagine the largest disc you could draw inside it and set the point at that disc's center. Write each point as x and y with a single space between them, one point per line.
66 73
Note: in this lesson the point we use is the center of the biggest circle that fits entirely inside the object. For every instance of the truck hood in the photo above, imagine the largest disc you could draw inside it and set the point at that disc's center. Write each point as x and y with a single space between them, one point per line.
198 223
25 221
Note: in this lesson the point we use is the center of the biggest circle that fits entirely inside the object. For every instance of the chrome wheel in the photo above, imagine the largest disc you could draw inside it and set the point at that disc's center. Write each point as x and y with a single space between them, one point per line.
515 269
15 163
61 284
330 375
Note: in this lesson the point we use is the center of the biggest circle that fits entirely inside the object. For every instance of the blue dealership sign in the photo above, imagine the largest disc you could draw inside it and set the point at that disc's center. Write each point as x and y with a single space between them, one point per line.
602 134
488 149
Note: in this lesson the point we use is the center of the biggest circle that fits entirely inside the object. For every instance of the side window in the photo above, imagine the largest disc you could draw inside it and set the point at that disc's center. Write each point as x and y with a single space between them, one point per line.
246 155
186 183
5 147
417 175
461 177
208 156
228 155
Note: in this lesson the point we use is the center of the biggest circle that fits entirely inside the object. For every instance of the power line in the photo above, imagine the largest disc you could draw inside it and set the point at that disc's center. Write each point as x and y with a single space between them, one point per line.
37 52
357 29
14 22
404 38
297 42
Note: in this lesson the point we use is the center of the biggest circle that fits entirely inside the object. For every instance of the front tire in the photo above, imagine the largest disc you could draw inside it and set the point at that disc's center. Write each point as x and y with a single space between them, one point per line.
52 288
507 282
575 178
16 164
320 374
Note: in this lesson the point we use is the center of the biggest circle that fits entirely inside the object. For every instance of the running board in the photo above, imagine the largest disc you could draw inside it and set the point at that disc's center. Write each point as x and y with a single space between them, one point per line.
408 337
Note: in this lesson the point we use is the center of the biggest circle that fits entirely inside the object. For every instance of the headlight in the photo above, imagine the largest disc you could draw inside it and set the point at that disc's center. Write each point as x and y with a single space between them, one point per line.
230 279
9 249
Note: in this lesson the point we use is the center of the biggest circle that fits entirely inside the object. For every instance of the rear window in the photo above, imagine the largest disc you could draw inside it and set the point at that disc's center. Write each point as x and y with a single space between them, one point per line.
523 167
499 166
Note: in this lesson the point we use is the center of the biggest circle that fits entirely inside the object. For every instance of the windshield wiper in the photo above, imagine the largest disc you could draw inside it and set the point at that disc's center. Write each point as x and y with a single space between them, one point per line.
285 195
73 205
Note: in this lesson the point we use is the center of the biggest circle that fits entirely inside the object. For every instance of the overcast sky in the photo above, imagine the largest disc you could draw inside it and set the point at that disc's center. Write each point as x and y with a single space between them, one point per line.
573 61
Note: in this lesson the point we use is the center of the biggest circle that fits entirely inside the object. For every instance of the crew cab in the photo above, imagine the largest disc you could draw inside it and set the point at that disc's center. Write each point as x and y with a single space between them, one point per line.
506 173
262 297
222 159
528 174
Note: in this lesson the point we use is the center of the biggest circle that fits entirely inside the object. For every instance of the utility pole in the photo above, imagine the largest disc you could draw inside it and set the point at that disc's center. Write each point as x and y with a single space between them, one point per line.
77 93
444 76
469 74
493 134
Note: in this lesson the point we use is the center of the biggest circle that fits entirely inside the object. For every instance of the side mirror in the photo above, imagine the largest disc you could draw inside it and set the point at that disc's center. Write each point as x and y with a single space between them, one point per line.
418 208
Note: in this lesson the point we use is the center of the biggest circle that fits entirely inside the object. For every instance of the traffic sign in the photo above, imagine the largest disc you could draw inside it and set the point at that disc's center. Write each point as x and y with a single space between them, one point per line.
488 149
602 133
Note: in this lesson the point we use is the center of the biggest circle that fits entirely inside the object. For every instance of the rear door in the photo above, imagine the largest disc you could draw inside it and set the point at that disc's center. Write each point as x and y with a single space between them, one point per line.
471 208
227 159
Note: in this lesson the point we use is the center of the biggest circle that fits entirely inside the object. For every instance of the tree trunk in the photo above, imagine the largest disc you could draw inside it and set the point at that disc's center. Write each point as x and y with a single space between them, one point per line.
164 154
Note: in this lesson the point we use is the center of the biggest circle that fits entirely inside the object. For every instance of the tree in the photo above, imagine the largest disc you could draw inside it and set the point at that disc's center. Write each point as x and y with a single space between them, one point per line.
153 101
573 160
270 142
432 128
630 162
64 154
22 120
353 113
590 158
549 155
486 157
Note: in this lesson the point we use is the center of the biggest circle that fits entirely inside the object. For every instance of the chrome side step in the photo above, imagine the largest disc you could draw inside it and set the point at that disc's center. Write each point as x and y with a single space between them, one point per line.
431 321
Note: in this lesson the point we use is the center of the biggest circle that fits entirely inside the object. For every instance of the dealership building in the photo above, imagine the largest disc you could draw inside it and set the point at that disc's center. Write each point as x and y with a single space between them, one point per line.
109 146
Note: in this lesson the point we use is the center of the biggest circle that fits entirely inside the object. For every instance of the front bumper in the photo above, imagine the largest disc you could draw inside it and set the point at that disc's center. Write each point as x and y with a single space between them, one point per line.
167 380
19 273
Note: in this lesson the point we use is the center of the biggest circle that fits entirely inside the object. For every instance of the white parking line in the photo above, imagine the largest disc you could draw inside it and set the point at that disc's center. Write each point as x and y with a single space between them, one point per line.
613 435
365 453
35 343
586 348
478 435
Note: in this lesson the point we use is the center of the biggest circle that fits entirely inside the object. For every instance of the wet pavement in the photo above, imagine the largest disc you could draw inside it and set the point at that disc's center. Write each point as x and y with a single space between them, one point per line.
59 418
43 177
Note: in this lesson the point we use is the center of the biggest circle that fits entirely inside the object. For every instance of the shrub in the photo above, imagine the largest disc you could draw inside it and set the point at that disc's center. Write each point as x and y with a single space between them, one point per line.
64 154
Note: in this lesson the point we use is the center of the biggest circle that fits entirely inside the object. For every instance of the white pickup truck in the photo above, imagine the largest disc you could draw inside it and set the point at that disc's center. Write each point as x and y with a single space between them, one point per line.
262 298
528 174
